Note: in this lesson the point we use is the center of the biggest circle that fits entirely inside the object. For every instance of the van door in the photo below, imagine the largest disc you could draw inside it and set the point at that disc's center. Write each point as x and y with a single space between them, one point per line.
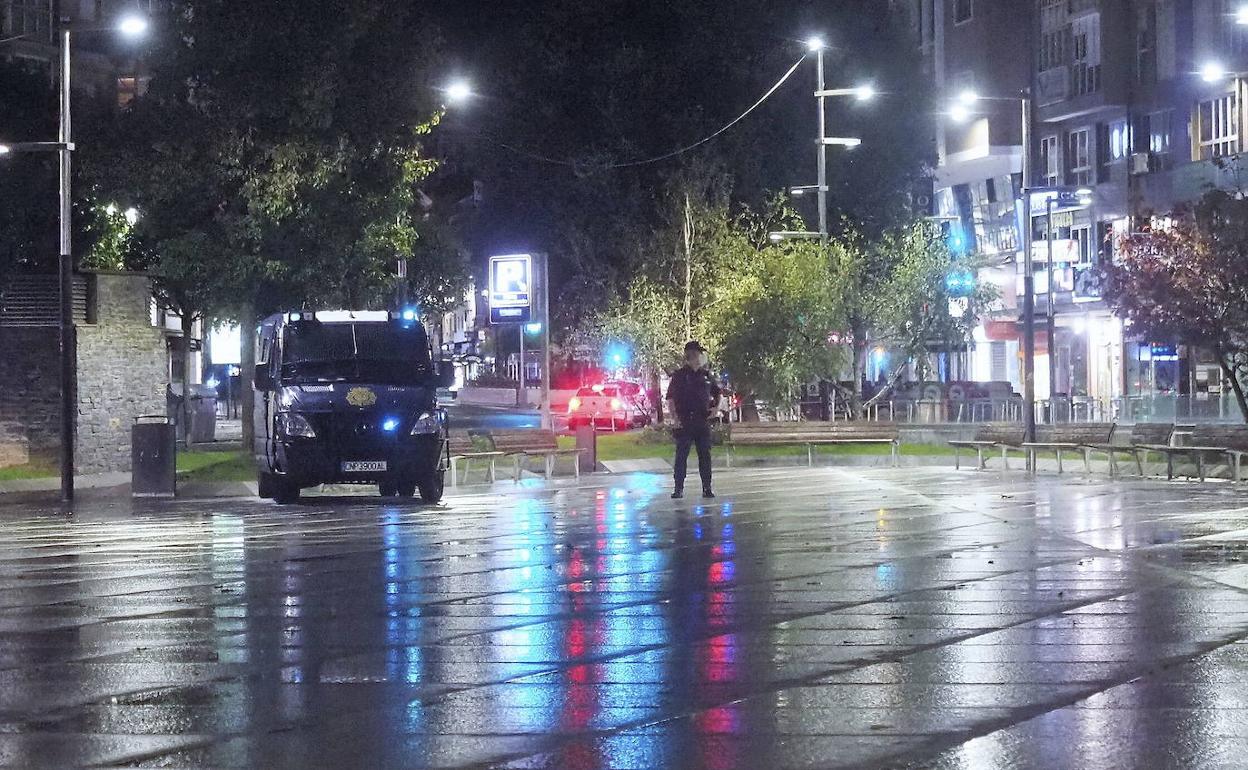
263 391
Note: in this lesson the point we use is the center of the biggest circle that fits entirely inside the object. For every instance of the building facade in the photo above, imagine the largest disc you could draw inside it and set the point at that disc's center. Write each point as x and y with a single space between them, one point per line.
102 66
1140 104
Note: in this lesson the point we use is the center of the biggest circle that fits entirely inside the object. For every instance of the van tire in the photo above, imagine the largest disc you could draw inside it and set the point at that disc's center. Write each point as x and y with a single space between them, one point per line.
266 484
432 487
285 491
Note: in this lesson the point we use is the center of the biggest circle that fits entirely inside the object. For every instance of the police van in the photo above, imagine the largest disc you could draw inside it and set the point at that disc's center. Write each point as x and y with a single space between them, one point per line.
349 397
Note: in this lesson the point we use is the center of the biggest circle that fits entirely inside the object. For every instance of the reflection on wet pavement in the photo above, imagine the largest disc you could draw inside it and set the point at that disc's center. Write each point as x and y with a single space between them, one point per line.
826 618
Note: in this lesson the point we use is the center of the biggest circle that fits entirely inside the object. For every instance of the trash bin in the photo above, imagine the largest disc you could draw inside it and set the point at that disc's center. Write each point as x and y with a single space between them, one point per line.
203 427
153 456
197 424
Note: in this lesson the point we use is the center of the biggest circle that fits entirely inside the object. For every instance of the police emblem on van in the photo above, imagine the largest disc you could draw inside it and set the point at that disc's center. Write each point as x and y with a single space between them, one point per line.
361 397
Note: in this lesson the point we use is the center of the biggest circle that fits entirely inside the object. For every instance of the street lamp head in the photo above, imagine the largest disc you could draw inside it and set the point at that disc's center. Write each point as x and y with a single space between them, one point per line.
4 149
865 93
1241 15
132 215
814 43
458 92
968 97
1212 72
132 26
959 113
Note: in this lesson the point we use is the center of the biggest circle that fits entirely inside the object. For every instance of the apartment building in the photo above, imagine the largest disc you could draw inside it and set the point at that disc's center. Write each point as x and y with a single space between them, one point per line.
1140 102
103 64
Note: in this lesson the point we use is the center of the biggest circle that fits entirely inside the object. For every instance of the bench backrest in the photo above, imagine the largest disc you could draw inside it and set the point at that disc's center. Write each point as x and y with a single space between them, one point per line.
462 444
1227 436
1076 433
1008 433
813 431
524 440
1151 433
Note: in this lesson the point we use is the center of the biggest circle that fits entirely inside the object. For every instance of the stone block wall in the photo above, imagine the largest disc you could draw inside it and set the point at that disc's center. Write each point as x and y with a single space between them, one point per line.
14 446
122 372
30 385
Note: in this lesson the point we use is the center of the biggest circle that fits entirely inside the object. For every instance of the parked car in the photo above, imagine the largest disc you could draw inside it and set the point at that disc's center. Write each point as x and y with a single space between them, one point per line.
634 391
606 406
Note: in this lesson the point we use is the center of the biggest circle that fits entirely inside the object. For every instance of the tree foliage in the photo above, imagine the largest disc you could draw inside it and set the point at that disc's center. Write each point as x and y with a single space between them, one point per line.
1188 281
277 155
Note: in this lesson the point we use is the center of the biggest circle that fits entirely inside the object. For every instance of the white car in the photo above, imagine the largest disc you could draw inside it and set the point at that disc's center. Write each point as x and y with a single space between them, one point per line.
606 407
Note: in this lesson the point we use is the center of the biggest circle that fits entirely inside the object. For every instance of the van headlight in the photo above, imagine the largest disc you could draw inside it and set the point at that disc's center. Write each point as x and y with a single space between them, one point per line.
426 423
294 425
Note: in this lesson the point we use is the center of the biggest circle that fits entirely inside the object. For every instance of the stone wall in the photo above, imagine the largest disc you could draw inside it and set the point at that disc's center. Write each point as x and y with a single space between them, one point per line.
122 372
29 385
14 447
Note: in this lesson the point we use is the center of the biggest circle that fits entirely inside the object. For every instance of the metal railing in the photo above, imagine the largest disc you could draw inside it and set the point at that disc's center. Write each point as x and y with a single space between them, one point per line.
1185 410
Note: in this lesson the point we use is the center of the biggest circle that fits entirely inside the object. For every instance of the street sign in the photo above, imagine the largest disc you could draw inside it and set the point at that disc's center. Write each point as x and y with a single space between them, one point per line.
511 288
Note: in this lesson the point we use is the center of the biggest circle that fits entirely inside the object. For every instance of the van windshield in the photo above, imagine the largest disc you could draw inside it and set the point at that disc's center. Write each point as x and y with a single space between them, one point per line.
381 353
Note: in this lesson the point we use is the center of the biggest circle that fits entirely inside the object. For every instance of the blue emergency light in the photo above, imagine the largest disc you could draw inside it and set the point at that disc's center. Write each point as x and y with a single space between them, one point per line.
390 424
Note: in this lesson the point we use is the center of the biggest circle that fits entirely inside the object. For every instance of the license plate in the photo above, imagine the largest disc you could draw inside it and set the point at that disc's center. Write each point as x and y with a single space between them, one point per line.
363 466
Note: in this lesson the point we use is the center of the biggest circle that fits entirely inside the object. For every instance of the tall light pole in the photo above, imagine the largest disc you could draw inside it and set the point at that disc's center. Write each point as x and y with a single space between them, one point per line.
816 44
131 26
822 142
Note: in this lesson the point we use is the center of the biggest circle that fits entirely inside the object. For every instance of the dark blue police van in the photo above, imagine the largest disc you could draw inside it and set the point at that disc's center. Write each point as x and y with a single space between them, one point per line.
349 397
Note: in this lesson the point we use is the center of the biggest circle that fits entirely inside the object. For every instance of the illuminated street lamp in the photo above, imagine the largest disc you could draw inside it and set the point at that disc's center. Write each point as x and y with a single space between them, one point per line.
863 92
131 26
1212 72
1241 15
458 92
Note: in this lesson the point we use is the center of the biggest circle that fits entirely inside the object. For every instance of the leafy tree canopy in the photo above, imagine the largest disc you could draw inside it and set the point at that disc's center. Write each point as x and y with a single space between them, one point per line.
1188 281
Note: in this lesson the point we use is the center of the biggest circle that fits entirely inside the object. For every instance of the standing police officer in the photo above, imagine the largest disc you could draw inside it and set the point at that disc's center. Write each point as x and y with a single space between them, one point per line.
691 396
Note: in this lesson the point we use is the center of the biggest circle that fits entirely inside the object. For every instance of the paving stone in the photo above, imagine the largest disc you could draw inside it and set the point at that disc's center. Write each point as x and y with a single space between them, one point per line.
806 619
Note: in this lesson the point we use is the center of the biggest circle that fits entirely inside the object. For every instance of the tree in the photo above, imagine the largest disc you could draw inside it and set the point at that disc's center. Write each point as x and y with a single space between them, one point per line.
773 322
894 293
562 171
276 157
1188 281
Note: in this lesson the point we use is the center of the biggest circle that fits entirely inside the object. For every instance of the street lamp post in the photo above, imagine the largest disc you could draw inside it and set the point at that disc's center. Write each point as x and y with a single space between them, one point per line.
1050 323
816 45
863 93
959 112
130 26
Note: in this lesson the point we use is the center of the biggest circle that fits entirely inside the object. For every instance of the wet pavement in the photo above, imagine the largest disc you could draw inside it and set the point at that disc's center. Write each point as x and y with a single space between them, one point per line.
807 618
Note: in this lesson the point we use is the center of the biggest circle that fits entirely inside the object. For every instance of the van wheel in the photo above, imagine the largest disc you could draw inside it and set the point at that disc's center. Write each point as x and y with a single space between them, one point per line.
387 488
285 491
432 487
267 485
407 488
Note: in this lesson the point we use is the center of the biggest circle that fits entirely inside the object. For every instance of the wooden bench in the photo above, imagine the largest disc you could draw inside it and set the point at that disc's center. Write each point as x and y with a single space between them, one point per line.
522 444
813 434
1136 442
1072 437
1006 435
465 449
1231 441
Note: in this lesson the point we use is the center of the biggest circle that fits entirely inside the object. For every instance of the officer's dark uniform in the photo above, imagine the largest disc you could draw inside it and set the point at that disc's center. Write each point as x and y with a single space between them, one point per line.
694 393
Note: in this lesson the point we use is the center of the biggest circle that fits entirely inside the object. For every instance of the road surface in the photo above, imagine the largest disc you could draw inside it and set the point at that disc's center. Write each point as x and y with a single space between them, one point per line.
805 619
